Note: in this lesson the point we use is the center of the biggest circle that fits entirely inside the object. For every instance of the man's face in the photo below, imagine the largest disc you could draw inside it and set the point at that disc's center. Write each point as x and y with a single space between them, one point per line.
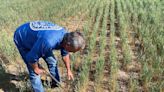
71 49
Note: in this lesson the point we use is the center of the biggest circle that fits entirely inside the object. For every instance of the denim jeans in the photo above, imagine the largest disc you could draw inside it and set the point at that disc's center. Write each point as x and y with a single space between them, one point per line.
35 79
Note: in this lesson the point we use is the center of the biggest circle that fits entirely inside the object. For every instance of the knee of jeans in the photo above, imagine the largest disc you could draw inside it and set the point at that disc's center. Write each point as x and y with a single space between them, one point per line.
52 65
51 61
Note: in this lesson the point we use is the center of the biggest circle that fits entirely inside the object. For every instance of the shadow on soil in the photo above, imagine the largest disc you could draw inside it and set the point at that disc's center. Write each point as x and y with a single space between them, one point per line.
5 81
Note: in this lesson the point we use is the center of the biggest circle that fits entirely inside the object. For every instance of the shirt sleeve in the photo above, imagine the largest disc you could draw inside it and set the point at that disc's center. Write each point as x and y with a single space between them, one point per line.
40 49
63 52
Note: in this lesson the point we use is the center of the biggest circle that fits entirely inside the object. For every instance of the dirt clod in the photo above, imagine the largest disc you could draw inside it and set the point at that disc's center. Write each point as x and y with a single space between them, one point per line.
134 67
122 75
12 69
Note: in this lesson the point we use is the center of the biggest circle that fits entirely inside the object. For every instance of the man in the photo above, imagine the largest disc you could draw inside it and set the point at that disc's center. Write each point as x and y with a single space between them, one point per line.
38 39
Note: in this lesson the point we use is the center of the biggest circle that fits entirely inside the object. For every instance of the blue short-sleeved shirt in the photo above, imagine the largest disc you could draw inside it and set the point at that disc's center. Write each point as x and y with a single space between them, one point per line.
40 38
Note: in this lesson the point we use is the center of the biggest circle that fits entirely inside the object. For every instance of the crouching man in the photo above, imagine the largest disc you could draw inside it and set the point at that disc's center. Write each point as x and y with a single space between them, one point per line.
38 39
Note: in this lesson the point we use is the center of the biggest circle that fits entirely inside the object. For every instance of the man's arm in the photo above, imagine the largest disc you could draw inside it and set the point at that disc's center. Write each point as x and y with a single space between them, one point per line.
39 49
66 60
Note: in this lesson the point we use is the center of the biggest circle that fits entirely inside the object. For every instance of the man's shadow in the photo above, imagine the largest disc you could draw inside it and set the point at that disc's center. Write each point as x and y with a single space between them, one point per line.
5 81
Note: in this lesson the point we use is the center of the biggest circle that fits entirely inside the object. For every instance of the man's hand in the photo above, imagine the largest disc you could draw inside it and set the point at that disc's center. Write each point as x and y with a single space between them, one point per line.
36 69
39 71
70 75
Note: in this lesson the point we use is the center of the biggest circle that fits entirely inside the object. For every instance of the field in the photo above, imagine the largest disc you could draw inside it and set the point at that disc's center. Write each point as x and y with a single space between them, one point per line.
124 44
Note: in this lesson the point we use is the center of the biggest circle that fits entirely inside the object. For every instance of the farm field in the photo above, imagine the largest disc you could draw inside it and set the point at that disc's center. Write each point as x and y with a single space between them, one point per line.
124 50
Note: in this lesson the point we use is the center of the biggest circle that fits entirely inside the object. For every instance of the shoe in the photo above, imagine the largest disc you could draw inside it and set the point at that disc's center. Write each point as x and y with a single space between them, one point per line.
54 85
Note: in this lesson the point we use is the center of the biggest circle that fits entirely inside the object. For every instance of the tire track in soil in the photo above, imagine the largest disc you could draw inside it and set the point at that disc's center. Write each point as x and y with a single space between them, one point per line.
106 72
104 83
122 75
91 82
133 68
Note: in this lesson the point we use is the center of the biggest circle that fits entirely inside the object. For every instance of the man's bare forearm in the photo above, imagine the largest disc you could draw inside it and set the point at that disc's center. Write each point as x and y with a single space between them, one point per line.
66 60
